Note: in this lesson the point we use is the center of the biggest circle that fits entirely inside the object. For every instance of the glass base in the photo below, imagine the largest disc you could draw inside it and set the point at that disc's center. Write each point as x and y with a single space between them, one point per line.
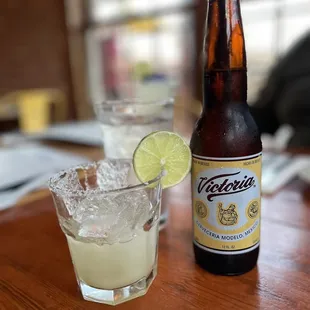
118 295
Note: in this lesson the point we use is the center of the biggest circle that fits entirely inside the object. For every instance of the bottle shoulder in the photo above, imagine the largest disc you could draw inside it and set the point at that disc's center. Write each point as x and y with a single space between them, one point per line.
229 132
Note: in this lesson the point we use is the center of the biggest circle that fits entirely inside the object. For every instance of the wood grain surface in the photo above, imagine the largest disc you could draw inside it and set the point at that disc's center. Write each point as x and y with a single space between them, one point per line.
36 271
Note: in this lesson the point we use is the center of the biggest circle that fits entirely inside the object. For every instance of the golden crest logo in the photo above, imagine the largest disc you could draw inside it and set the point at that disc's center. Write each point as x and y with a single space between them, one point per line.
226 203
253 209
201 209
229 216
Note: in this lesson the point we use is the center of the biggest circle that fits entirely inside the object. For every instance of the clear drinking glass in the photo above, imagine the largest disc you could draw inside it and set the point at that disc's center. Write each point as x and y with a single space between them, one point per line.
111 222
125 123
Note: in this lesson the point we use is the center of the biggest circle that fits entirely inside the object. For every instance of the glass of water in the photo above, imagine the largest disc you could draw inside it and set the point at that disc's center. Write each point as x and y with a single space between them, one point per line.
111 222
125 123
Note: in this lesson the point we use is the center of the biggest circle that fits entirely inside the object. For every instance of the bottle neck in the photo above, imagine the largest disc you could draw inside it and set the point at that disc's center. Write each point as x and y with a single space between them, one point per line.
223 87
225 70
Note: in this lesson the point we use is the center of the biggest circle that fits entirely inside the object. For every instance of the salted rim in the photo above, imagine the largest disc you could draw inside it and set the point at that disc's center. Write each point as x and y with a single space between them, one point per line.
133 102
53 182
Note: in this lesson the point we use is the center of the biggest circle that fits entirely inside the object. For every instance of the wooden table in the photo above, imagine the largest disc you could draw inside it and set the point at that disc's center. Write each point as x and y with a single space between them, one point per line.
36 271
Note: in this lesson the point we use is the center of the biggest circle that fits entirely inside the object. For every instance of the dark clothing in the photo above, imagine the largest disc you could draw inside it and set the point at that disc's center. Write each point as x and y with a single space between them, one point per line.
285 98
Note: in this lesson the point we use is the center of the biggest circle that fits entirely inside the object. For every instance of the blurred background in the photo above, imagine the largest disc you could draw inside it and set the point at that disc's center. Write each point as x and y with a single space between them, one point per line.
81 51
60 58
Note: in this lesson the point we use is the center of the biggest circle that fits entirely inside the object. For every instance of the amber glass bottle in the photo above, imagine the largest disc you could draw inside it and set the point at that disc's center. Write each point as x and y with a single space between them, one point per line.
226 146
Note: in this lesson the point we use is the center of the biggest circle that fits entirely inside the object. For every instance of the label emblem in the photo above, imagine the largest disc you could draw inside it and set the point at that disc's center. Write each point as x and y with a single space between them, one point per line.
229 216
253 209
201 209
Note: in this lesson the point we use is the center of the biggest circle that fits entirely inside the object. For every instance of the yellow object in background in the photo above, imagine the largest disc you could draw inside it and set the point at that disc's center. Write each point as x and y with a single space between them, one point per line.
141 70
143 25
34 108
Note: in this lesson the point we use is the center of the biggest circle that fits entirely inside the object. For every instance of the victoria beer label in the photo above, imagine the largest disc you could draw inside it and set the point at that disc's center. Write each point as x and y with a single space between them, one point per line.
226 203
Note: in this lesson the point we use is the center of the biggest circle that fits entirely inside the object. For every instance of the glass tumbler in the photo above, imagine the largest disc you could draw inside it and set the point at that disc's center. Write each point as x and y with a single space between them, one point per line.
111 224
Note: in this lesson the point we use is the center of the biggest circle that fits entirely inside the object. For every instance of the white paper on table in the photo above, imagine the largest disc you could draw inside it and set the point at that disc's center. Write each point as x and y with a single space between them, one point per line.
29 161
280 169
87 133
10 197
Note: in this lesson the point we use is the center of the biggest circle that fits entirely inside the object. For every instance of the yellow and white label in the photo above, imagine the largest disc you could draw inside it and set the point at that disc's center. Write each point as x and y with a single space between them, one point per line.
227 203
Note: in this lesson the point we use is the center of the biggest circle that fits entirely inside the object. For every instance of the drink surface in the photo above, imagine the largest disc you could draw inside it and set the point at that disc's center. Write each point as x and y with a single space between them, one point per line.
117 265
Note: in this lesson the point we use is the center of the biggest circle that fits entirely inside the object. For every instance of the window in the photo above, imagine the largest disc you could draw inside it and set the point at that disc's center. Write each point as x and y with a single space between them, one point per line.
126 41
271 27
110 10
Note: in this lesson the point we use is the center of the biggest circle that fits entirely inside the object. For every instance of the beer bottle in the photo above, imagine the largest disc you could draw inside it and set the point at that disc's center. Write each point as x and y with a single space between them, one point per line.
227 150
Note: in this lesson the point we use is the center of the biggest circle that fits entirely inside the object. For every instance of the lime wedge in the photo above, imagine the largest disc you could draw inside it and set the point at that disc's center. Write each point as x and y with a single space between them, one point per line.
162 151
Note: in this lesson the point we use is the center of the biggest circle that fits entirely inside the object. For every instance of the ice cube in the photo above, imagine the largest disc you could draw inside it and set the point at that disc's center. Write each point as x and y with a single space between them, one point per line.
91 208
113 218
137 207
69 183
99 218
113 174
102 227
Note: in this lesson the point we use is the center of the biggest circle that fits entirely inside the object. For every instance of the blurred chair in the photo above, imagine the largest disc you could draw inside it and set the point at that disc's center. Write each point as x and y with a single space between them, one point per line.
35 108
